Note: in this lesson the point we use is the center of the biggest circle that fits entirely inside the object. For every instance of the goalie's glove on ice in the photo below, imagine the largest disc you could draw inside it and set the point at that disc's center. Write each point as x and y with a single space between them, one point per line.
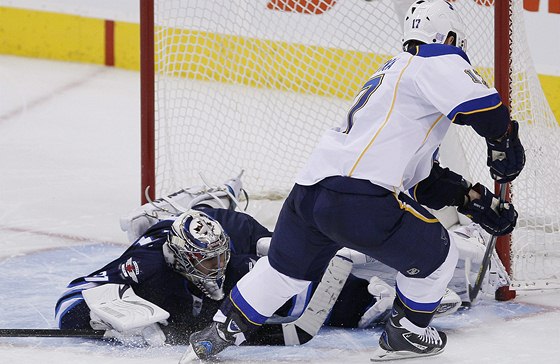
497 219
506 155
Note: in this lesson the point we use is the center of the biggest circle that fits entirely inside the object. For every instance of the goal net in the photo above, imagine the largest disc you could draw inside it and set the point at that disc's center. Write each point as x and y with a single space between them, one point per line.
251 85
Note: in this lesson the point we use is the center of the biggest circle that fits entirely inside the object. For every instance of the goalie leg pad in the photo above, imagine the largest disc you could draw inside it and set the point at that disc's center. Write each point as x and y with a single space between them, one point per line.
121 309
125 316
224 196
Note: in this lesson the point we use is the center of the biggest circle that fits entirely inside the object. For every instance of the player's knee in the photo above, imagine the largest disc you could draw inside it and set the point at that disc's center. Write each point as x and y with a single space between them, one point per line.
443 274
449 260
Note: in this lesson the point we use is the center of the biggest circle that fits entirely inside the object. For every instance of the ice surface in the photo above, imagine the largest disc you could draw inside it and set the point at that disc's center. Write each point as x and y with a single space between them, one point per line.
69 158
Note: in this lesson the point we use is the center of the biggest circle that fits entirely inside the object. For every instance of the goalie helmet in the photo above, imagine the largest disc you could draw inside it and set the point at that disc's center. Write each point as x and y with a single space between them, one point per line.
431 21
198 249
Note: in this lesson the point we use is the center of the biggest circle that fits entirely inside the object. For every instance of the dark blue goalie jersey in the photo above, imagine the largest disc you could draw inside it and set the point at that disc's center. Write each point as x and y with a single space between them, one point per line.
144 268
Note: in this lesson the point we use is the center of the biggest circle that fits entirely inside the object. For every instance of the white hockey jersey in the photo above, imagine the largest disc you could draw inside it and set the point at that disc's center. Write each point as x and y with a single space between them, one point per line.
399 119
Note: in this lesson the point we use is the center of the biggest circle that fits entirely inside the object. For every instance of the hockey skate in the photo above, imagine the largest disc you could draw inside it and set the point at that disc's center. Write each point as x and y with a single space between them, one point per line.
403 340
205 344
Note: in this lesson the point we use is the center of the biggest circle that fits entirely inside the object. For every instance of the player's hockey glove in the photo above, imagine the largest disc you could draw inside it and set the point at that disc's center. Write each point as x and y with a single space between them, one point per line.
495 218
506 155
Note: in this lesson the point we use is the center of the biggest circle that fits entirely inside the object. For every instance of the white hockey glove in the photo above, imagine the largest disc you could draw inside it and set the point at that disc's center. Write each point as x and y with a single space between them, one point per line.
450 303
263 245
127 317
384 295
471 242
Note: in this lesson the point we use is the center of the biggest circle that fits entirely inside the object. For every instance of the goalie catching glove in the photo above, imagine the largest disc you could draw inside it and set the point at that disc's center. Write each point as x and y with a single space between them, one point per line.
494 217
506 155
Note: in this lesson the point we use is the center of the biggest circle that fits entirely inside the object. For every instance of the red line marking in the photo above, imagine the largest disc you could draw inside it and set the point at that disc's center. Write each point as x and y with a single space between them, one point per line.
49 94
74 238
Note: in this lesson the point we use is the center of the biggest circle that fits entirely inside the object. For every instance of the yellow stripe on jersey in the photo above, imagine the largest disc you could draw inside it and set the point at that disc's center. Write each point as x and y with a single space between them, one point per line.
432 128
243 313
384 122
476 111
413 211
413 310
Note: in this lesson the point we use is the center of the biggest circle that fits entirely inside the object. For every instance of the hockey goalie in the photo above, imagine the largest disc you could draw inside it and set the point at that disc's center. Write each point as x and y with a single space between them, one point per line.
191 247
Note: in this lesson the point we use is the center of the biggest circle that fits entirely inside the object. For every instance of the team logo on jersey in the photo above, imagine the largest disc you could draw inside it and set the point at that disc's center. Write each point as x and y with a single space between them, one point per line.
130 269
413 271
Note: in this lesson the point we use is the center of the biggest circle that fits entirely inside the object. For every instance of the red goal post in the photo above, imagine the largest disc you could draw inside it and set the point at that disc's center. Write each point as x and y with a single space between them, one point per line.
222 83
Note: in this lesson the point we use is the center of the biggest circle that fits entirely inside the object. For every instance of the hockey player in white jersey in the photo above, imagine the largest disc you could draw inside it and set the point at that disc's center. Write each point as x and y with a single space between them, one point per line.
353 191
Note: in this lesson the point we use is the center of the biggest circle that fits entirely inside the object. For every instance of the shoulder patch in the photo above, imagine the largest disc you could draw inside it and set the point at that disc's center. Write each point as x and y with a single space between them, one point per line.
130 269
436 50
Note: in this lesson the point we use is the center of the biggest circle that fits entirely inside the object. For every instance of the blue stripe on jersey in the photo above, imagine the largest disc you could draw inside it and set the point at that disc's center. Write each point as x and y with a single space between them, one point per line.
72 296
436 50
246 309
477 105
416 306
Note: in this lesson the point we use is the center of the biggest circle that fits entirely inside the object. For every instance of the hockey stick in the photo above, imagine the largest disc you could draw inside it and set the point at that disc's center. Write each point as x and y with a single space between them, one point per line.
84 333
474 290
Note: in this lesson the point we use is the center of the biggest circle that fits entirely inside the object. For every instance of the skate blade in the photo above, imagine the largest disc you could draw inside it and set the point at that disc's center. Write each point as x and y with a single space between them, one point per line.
189 356
381 354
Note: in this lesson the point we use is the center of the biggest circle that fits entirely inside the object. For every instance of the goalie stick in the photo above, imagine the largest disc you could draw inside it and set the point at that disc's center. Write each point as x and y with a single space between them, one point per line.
84 333
475 289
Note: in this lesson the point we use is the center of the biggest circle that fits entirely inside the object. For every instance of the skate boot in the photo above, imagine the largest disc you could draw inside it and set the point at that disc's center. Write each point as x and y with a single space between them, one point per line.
402 339
214 339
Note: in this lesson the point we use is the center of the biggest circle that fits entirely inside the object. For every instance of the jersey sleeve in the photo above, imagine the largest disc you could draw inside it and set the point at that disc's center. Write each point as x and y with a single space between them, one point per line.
136 265
447 80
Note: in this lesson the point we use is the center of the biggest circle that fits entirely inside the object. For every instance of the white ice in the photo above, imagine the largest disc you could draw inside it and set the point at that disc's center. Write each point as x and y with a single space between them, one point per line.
69 162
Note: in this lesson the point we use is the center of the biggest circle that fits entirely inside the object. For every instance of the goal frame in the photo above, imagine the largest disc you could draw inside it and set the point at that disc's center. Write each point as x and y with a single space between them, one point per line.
502 80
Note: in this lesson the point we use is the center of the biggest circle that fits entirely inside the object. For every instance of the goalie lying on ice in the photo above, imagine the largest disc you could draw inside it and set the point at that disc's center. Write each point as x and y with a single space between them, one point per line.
174 276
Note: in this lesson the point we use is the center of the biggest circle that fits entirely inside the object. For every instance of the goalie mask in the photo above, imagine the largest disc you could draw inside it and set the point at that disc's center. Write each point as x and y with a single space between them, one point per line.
198 249
431 21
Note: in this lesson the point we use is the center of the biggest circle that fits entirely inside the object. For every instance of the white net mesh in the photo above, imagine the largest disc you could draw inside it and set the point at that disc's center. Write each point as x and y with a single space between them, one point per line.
251 85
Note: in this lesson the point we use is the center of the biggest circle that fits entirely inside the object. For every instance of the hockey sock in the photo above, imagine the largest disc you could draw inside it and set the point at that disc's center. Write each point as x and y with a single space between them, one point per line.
229 312
421 319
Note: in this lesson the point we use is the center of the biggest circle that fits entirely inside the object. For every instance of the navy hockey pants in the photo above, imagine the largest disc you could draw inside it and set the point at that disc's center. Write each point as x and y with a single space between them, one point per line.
316 221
